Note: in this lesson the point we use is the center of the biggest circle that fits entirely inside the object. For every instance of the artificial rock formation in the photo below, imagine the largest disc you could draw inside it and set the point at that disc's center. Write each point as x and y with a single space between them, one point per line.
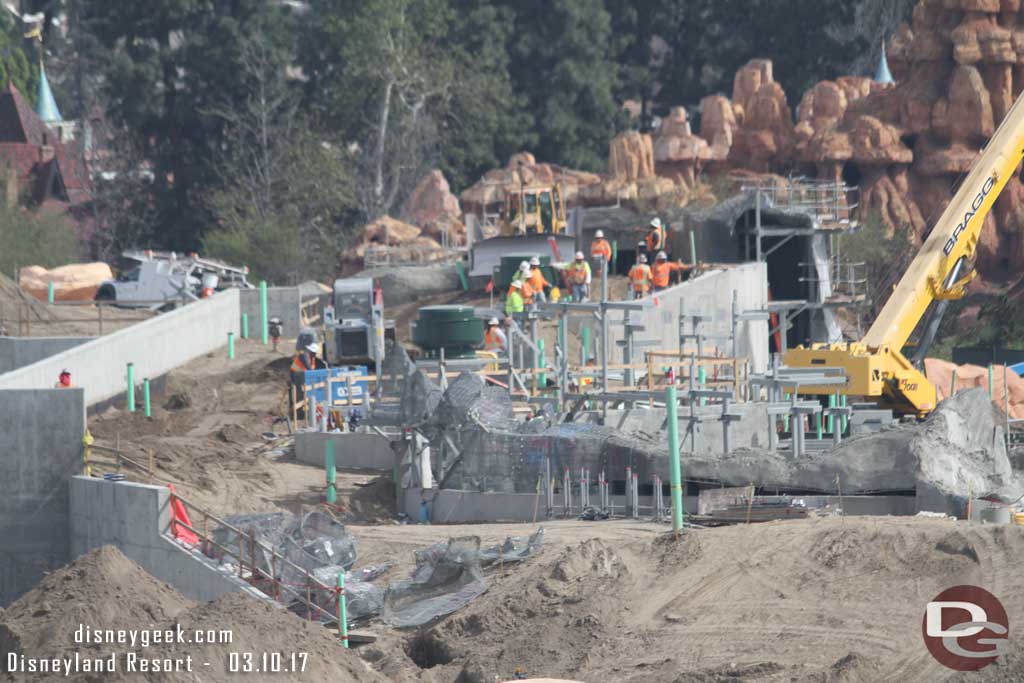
678 153
433 208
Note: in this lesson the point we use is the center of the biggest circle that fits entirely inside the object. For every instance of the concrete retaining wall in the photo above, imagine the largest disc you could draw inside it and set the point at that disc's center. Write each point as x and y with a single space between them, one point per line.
282 302
451 506
136 519
155 346
40 449
351 451
17 352
709 295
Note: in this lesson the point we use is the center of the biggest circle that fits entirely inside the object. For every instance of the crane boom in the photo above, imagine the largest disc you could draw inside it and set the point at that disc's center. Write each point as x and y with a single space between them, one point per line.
875 367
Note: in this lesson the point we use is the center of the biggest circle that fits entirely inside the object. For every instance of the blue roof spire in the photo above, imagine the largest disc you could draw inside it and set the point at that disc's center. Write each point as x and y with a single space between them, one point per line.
883 75
46 106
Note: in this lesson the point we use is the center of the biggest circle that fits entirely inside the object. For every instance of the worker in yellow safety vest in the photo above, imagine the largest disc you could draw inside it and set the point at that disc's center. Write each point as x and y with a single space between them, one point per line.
494 338
522 276
640 277
578 278
515 304
538 283
662 269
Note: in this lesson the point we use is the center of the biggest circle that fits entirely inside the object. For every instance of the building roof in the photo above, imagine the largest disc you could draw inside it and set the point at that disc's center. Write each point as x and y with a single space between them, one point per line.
46 105
18 122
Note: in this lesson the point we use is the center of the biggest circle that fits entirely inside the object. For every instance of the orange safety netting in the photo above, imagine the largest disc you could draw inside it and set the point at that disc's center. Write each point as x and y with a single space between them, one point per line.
940 373
180 514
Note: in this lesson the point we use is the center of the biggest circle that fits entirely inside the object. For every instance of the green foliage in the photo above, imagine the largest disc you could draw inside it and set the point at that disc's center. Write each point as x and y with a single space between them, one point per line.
19 61
36 239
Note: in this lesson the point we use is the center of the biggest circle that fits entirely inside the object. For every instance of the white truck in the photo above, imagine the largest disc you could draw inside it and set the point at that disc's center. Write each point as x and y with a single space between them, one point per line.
159 279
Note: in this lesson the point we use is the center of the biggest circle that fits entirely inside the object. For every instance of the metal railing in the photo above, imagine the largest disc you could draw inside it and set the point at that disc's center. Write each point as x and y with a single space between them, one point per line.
832 203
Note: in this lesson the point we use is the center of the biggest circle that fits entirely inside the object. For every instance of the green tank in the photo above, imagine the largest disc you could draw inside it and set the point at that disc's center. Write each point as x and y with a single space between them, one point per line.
454 328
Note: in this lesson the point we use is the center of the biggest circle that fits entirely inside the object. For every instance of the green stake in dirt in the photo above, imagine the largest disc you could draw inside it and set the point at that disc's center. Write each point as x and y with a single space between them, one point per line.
342 610
615 255
231 345
952 384
817 427
585 348
131 387
332 494
542 378
245 326
833 402
264 322
672 408
146 407
49 292
702 378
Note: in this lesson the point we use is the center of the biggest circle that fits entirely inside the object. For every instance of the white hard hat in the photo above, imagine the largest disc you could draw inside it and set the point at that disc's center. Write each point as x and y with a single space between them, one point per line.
535 261
524 267
599 234
313 348
656 223
492 321
662 256
641 259
518 284
579 255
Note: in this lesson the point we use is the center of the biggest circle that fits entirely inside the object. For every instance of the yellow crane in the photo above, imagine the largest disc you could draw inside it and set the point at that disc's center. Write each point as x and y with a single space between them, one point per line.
875 366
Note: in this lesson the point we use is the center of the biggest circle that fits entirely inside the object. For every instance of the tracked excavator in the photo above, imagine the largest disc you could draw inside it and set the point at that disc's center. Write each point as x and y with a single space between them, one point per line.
875 367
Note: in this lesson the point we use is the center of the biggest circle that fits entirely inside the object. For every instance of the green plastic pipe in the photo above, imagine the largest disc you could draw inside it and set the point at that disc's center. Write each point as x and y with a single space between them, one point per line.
231 345
342 610
542 362
146 405
833 401
702 378
817 426
245 326
990 380
49 292
462 276
693 249
264 322
952 384
585 349
332 492
131 387
671 405
615 255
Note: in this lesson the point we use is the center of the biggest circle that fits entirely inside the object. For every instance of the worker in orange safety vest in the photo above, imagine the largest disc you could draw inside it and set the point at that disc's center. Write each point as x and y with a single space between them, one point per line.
578 276
600 249
494 337
662 269
640 278
538 283
522 276
655 240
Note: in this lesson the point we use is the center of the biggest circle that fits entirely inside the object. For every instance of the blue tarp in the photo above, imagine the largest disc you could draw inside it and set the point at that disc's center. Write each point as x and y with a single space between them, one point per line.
1018 368
339 388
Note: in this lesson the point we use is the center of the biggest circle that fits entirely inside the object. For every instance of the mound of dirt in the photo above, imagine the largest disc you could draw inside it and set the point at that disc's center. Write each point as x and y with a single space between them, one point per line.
105 590
810 600
102 589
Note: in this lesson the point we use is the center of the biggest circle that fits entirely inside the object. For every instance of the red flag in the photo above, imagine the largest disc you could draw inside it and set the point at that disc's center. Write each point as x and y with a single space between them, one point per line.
490 286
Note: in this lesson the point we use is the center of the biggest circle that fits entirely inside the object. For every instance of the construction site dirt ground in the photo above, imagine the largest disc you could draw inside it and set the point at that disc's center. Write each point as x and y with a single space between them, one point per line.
827 599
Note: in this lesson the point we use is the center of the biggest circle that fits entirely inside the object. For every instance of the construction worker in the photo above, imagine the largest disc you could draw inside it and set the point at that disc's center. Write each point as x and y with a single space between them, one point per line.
64 380
662 270
578 276
600 249
522 276
655 240
305 359
640 278
515 305
538 283
494 337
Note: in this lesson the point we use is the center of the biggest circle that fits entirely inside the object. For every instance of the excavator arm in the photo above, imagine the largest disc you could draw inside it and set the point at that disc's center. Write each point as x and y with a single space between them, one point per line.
875 367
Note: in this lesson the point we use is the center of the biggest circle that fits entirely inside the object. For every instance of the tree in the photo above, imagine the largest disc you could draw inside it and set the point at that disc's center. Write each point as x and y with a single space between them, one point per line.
563 62
874 21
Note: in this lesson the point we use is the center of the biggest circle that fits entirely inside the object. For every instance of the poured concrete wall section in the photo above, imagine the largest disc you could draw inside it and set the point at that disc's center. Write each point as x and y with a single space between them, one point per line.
709 295
136 518
17 352
282 302
451 506
155 346
351 451
40 449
